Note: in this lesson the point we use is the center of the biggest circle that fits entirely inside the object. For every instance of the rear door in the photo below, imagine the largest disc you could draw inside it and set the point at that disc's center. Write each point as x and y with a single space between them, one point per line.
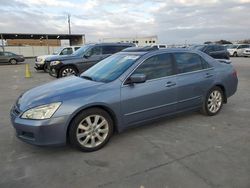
155 97
195 77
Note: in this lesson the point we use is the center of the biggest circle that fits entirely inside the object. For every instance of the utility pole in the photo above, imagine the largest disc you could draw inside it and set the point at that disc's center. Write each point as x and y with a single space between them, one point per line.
2 42
69 24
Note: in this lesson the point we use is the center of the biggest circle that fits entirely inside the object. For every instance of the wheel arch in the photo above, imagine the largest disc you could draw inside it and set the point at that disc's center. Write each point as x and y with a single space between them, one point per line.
222 87
100 106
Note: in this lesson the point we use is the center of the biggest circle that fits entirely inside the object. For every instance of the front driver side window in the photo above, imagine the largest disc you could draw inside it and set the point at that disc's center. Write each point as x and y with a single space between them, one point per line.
97 50
67 51
157 66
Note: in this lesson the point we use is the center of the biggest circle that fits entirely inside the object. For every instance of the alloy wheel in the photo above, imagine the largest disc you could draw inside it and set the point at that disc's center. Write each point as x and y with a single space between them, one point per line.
214 101
92 131
68 72
13 61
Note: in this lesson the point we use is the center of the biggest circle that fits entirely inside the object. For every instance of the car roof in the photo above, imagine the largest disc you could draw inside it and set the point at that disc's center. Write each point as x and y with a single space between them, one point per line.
112 44
134 51
140 49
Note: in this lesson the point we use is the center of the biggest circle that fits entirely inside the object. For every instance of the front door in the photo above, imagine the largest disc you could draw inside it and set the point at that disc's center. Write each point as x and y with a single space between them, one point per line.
156 97
91 57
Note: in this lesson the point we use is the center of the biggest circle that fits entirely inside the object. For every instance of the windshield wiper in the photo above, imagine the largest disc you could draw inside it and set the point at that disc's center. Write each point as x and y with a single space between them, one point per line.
87 77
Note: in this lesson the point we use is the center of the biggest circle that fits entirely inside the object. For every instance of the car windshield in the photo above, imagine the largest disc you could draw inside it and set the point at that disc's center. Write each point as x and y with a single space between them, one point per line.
58 50
232 46
197 47
82 50
110 68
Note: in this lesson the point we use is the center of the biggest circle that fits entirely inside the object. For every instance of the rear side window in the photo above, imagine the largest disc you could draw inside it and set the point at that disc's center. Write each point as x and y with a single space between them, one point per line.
157 66
1 53
188 62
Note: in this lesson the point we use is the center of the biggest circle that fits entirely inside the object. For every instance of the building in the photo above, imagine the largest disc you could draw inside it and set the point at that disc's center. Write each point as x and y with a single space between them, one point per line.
29 39
140 41
32 45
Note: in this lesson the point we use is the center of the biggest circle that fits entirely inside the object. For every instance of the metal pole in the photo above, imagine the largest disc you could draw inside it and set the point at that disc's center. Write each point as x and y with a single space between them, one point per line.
2 42
69 24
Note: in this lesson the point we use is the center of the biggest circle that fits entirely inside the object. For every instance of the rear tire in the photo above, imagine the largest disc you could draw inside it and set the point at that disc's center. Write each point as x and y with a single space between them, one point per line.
13 61
235 54
213 102
67 71
90 130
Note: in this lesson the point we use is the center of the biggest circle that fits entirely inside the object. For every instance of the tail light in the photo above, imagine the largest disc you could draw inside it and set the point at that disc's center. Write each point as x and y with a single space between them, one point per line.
235 73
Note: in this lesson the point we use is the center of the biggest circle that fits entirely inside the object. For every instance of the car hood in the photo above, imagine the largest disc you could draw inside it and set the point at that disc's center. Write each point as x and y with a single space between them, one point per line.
56 91
45 56
62 57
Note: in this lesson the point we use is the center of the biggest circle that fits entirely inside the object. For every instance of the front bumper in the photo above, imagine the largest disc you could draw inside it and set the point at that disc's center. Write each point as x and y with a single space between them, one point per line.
246 54
40 132
231 52
39 66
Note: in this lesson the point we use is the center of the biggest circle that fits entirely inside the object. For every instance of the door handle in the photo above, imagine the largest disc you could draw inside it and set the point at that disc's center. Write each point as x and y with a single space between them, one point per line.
208 75
170 84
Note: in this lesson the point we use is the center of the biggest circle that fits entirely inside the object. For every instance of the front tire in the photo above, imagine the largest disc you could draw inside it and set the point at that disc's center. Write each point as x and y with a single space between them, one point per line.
91 130
213 102
45 68
67 71
235 54
13 61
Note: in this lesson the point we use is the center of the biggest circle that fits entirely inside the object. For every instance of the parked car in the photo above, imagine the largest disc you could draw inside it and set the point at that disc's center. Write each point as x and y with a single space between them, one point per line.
62 51
83 59
246 52
122 91
216 51
236 50
12 58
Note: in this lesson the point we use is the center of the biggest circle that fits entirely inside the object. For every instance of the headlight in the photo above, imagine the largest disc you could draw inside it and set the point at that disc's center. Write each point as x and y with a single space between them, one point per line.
55 62
38 59
41 112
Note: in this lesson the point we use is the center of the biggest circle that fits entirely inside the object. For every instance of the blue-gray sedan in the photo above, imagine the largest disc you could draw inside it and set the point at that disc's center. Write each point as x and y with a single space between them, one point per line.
123 90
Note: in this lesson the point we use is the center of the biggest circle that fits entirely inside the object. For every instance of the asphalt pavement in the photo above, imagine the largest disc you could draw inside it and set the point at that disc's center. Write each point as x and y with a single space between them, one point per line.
187 151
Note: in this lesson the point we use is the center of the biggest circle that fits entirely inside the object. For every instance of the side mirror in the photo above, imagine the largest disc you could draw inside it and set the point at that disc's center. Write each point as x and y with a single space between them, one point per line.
87 54
136 78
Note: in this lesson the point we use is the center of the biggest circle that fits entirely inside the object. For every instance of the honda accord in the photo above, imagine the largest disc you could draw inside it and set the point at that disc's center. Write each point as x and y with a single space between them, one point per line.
126 89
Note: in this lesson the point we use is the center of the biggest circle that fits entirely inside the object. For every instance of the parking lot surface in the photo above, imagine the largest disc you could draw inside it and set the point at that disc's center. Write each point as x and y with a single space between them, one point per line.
189 151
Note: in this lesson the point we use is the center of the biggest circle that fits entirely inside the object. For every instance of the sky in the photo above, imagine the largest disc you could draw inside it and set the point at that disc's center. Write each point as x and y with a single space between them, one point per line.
173 21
